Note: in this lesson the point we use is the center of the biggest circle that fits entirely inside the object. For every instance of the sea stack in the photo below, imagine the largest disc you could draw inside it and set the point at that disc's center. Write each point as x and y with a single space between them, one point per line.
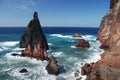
34 40
108 68
82 44
52 66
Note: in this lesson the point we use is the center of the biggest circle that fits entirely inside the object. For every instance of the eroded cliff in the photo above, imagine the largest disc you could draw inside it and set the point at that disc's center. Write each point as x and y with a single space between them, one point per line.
108 68
109 30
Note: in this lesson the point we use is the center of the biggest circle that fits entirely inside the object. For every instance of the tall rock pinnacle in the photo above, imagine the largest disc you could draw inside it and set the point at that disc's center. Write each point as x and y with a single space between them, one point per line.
34 40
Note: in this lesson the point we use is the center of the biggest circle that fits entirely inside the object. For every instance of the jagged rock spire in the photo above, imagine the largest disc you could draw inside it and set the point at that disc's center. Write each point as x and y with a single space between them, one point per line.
34 39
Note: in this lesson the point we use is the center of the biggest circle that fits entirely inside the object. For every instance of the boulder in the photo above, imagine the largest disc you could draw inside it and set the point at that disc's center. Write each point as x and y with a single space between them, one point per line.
52 66
23 70
77 35
34 40
86 69
83 44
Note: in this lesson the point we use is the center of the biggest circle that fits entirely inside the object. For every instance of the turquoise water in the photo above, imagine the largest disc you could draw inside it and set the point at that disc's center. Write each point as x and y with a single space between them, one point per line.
61 46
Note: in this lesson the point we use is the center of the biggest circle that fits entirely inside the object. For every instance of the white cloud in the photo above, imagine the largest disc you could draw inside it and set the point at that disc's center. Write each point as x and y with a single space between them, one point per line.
27 5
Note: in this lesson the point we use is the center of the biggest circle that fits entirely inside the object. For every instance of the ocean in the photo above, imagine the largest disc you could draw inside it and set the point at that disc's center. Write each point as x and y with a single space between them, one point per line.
61 46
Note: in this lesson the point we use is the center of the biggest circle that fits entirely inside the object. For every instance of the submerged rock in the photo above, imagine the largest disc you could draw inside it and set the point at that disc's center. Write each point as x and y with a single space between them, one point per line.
23 70
83 44
34 40
77 35
1 48
52 67
15 54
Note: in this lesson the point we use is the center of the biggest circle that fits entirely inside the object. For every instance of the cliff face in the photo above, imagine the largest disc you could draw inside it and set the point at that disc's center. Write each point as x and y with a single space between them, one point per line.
33 40
110 26
108 68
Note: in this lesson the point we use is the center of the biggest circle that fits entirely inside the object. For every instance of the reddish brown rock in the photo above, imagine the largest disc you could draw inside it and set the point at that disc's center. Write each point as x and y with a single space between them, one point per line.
77 35
34 40
86 69
82 43
108 68
109 29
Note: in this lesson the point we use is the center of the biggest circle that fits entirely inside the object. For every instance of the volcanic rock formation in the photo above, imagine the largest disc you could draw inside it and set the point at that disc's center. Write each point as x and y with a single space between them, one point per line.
109 30
34 41
77 35
82 43
52 67
108 68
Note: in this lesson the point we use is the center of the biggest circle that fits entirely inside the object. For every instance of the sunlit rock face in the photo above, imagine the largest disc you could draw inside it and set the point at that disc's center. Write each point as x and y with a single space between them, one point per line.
109 30
34 40
82 44
108 68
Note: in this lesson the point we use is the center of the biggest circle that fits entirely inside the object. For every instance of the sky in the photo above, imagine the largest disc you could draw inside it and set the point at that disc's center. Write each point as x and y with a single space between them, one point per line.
65 13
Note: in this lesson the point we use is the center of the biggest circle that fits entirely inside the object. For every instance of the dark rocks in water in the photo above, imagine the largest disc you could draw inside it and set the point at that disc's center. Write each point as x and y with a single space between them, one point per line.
15 54
83 44
1 47
61 69
105 47
34 40
76 74
23 70
77 35
52 67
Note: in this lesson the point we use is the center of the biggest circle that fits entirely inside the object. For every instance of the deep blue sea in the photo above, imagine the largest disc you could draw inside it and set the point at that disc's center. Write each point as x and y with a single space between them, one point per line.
62 46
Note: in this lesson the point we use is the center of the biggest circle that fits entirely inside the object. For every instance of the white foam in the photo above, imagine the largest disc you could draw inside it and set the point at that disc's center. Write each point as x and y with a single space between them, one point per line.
9 43
57 54
19 48
89 37
73 46
50 44
1 49
71 40
61 36
36 72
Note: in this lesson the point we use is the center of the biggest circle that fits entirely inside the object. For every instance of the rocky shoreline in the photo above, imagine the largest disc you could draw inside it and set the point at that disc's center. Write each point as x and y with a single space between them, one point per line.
108 68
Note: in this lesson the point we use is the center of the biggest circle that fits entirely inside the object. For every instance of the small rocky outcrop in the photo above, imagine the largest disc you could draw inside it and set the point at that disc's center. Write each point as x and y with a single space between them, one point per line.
83 44
77 35
52 67
23 70
34 41
88 69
